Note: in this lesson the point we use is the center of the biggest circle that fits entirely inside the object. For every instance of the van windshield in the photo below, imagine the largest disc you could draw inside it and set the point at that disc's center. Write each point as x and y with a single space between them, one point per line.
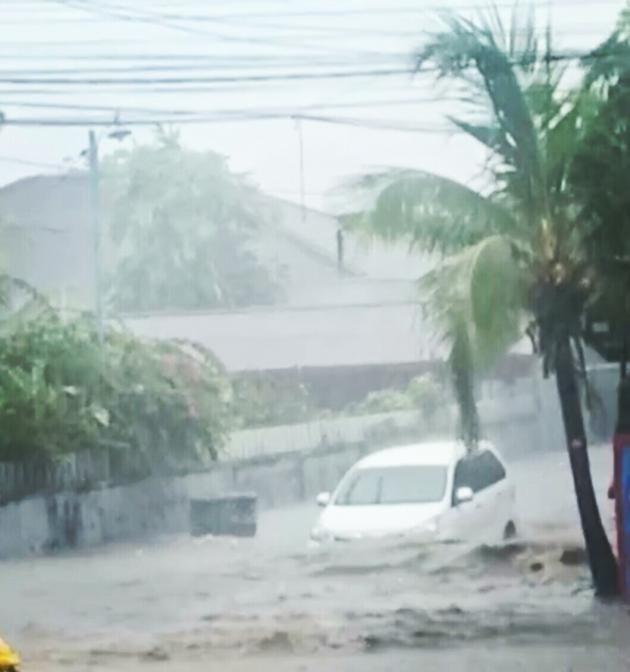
393 485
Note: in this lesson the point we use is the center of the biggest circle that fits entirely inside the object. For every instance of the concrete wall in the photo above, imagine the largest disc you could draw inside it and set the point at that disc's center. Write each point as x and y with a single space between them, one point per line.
154 507
161 506
495 410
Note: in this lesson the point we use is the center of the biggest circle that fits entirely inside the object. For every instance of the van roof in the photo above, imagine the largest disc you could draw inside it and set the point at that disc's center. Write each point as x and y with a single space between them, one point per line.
430 453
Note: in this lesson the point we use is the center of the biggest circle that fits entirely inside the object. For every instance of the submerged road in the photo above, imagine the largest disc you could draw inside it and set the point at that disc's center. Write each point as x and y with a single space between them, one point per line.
271 604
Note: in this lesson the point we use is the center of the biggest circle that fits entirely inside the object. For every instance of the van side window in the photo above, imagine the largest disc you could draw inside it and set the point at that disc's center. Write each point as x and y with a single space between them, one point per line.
491 471
464 476
478 471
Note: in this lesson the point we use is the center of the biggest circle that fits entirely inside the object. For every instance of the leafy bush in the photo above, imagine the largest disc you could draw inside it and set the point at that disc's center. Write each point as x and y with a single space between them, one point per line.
427 394
381 401
261 402
167 404
424 394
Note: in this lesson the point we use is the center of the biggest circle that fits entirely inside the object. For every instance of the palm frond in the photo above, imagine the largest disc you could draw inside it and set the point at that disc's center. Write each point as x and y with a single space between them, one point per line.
612 57
430 212
496 55
476 298
565 141
485 287
489 135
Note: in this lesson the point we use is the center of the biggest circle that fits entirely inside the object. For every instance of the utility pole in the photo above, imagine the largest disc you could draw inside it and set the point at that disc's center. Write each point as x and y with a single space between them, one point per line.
340 250
96 233
298 123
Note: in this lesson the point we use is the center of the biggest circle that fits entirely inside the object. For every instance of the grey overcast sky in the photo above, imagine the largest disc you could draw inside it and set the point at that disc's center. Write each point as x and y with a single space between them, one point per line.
65 59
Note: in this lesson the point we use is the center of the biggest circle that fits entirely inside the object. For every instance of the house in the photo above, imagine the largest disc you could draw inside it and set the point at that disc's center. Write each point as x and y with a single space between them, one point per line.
47 231
46 238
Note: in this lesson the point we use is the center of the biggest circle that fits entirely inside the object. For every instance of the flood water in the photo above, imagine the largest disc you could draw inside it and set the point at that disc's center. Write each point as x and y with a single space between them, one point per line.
270 603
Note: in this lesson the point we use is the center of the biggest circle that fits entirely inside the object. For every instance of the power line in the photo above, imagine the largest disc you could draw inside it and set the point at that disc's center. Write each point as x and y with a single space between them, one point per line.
376 124
322 33
111 63
254 78
49 21
37 164
93 108
85 123
194 57
193 66
188 112
173 10
349 32
368 11
185 64
167 19
174 22
113 10
218 79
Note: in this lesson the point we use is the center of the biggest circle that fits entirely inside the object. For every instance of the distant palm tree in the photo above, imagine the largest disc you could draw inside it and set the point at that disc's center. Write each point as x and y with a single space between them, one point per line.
513 258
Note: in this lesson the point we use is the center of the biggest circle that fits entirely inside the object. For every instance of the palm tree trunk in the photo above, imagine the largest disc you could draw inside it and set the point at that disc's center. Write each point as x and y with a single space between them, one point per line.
600 556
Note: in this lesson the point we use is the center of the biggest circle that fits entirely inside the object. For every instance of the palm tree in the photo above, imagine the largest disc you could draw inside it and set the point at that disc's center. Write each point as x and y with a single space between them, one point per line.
513 258
600 170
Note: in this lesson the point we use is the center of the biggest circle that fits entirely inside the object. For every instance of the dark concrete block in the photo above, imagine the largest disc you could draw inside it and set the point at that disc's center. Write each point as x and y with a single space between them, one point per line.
231 515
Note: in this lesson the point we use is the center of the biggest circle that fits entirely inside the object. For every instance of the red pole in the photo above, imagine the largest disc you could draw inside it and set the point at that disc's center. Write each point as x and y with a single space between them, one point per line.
621 448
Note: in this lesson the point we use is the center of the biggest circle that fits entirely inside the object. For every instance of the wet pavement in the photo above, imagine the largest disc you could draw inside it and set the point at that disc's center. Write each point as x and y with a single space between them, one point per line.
270 603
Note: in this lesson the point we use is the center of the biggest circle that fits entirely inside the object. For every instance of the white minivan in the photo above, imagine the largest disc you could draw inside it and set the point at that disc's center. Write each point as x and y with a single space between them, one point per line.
433 489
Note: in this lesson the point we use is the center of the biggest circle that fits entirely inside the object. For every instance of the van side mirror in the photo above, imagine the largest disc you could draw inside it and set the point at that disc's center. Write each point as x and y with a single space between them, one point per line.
323 499
464 495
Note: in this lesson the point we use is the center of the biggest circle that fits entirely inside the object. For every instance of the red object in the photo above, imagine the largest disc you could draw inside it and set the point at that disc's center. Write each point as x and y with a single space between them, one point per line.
621 443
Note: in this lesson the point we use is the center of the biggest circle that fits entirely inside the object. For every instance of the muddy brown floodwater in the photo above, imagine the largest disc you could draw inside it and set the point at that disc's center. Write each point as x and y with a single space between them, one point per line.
270 603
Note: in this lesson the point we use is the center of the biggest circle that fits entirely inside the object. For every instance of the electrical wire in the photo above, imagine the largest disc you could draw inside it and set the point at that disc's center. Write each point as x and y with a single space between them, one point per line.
144 81
36 164
254 78
193 57
372 103
179 22
216 79
92 123
363 12
159 18
114 11
192 66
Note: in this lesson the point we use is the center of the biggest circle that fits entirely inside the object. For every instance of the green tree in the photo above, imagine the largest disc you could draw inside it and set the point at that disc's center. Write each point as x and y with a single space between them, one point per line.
513 256
167 405
602 165
181 227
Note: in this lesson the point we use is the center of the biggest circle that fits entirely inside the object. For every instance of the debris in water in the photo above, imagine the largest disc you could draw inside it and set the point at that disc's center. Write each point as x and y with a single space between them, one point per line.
278 641
574 557
157 654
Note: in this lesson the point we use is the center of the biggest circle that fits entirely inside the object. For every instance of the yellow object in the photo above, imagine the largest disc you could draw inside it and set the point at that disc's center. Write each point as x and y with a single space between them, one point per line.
9 659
